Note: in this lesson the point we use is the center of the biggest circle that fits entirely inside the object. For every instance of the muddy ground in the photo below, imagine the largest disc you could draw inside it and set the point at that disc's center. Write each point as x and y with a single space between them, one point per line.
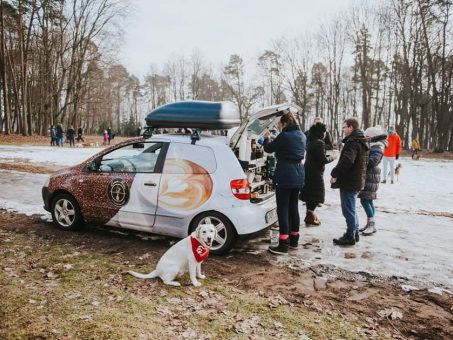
361 298
376 306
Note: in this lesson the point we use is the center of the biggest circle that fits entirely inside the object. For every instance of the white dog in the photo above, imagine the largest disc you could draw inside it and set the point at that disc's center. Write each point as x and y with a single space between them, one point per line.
188 253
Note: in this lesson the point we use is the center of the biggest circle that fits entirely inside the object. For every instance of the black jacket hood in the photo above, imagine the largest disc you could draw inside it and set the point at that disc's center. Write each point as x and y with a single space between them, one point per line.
359 136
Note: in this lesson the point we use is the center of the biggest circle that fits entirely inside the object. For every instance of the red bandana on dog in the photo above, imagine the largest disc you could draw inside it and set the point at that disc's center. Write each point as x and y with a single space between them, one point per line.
199 251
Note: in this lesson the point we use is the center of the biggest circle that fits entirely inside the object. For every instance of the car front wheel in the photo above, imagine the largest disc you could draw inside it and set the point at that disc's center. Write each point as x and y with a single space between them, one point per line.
226 234
66 212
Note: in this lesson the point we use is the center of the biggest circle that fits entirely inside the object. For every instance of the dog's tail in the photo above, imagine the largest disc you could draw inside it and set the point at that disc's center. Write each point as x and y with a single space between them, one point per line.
151 275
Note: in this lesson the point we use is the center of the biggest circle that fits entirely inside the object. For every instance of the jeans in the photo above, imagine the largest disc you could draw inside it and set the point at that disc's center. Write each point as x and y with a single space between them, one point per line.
288 210
389 161
369 207
348 200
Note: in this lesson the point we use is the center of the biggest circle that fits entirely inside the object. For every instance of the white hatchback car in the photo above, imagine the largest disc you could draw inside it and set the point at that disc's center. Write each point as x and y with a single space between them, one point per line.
168 184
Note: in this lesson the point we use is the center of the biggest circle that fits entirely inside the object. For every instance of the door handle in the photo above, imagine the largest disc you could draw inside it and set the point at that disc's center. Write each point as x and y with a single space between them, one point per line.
150 184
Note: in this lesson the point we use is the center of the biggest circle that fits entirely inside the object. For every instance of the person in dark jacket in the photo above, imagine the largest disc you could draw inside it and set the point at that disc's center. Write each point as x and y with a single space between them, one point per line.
59 135
373 176
70 134
349 176
313 192
53 138
289 148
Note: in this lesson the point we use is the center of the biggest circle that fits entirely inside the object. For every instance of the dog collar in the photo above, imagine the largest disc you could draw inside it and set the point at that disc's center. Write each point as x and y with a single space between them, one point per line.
199 251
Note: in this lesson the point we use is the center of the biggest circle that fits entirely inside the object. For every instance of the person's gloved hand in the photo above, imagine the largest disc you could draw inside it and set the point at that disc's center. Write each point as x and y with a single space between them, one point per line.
397 156
260 140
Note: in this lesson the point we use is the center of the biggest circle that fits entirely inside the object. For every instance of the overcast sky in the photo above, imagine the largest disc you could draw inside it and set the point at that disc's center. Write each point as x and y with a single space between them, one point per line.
158 29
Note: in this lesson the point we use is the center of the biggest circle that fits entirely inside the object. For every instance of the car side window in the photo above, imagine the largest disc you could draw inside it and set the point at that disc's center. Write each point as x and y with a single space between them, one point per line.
139 157
189 159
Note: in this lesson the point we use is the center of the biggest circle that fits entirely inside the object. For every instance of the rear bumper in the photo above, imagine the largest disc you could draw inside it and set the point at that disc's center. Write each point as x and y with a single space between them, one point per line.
250 219
45 198
255 234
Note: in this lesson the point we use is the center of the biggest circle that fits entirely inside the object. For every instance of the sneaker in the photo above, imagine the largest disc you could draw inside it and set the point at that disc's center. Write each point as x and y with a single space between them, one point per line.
384 181
370 230
345 240
281 249
362 229
294 242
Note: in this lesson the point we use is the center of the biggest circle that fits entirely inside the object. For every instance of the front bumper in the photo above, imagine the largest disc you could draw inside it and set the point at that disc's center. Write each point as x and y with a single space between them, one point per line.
45 198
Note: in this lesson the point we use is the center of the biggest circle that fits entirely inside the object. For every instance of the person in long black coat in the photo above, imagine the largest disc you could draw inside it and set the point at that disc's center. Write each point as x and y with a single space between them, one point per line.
373 177
313 192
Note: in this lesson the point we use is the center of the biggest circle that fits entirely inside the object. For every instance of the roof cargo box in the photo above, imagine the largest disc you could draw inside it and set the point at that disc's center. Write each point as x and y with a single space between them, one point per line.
194 114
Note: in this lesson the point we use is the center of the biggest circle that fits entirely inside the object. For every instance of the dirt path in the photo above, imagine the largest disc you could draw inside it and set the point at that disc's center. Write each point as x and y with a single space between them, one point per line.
377 306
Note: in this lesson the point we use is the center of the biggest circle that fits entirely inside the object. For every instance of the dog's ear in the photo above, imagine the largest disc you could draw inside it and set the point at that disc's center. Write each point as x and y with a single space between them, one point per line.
198 232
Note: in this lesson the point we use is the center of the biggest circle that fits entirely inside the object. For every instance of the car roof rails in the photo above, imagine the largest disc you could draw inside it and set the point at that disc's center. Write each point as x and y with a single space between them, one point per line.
148 132
194 133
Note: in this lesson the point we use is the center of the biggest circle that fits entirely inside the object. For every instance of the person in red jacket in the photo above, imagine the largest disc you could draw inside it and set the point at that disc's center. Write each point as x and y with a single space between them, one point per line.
391 153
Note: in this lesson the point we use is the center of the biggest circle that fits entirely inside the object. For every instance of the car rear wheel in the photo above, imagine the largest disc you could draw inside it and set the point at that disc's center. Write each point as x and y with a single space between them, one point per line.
66 212
226 234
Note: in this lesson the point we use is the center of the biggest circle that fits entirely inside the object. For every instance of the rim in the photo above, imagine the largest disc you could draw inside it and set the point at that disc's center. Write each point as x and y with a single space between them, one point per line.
64 212
221 236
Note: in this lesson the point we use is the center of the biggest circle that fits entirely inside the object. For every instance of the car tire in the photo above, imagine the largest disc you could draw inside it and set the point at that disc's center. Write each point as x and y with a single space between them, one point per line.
226 234
66 212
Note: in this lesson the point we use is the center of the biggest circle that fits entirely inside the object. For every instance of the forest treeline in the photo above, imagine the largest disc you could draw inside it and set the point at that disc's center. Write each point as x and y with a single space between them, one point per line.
386 62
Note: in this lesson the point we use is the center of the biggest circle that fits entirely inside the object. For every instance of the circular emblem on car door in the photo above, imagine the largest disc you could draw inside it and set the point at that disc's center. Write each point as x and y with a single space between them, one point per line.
118 192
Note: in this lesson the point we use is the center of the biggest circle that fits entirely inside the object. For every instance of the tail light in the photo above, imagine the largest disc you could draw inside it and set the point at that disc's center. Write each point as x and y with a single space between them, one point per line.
240 188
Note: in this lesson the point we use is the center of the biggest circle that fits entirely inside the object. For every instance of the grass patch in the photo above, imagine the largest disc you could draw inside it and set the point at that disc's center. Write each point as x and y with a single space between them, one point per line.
50 290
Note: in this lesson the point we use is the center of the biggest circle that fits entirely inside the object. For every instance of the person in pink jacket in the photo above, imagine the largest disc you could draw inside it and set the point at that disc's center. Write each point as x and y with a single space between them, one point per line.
391 153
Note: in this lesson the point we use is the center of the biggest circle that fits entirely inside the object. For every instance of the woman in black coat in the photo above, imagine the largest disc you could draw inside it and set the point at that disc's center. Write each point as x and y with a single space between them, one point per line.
289 148
313 192
373 176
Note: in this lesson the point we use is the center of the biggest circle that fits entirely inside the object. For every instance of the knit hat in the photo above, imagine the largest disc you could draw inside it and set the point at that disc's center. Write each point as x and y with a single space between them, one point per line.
373 131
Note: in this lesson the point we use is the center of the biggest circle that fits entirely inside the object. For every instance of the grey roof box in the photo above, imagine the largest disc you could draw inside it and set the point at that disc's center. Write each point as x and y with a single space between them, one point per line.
202 115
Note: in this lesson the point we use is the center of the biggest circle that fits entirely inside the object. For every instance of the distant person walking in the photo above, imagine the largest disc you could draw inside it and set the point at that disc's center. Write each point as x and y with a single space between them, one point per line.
53 138
80 135
109 133
106 138
415 148
349 176
289 148
70 133
313 192
391 153
59 135
373 177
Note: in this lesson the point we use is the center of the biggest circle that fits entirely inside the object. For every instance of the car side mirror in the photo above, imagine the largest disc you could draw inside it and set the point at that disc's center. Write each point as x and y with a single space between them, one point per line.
94 165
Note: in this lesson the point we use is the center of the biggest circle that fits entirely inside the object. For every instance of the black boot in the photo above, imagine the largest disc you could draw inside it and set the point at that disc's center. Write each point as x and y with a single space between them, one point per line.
281 248
357 237
294 241
345 240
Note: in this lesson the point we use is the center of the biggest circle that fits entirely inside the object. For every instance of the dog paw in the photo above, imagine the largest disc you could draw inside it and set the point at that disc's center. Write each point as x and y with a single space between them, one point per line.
196 284
201 276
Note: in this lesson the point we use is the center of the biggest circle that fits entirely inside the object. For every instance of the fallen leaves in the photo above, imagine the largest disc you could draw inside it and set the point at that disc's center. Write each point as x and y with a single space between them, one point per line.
391 313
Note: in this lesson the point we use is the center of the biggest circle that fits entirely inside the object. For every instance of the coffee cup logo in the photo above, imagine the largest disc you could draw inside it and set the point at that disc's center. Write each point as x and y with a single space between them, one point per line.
118 192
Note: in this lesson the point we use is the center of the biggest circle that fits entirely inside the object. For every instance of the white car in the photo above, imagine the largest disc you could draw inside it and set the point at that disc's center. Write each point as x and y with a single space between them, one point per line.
168 184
